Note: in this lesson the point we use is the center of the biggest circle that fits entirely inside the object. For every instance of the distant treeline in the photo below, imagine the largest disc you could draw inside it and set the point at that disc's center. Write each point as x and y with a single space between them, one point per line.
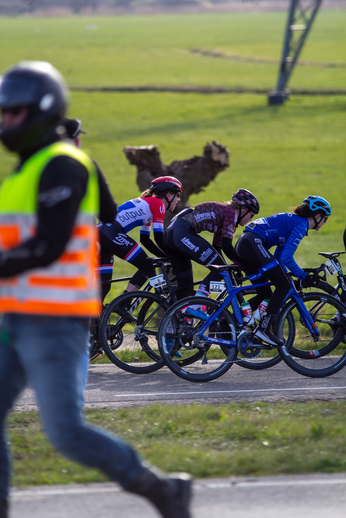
11 7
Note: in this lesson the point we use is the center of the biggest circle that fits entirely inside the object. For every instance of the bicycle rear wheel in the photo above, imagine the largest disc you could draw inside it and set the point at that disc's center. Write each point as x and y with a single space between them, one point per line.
309 357
129 328
200 361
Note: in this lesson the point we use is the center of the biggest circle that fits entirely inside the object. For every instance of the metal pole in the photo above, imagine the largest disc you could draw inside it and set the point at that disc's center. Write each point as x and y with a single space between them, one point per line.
291 49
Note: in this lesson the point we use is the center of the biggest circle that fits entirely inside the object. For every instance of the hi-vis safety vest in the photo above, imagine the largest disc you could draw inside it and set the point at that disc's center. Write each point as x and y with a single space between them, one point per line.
67 287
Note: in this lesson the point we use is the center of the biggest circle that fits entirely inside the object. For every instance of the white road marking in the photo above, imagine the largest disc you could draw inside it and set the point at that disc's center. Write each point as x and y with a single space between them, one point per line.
31 493
227 391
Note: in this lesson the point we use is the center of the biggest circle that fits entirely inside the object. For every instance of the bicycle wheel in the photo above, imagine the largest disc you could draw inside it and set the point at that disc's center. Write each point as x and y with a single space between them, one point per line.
303 353
200 361
129 328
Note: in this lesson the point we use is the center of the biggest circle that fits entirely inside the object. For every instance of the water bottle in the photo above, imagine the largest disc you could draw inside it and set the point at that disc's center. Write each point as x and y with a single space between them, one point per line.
262 308
247 313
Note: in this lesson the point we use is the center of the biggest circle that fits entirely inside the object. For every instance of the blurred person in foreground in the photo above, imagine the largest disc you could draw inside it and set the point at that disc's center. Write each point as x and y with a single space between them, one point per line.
48 286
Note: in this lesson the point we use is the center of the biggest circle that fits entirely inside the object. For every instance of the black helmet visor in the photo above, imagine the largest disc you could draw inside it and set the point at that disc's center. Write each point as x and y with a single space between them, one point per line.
13 92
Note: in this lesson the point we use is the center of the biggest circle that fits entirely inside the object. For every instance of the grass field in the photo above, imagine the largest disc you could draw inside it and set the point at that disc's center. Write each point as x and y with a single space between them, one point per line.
127 50
281 153
238 439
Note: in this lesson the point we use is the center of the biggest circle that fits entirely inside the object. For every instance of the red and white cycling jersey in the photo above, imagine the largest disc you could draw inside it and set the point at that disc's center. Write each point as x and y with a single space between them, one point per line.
141 212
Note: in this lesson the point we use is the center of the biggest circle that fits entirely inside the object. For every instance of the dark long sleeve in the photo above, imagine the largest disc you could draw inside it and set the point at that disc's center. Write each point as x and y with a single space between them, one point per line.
108 206
150 245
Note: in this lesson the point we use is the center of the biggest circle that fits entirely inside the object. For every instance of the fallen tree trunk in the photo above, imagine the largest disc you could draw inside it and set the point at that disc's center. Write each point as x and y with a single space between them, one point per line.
194 173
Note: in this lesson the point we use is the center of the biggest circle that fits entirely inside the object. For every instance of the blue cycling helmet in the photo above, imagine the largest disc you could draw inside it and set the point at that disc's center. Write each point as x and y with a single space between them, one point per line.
318 205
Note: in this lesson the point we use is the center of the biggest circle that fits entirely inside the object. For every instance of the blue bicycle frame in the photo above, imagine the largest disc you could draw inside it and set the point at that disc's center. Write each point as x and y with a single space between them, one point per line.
232 299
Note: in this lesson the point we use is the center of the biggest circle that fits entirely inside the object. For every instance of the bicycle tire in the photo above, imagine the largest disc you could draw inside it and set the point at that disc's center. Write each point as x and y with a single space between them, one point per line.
131 342
200 362
315 359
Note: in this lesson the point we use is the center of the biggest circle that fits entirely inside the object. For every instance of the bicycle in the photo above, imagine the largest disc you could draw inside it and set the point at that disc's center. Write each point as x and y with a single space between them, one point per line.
216 340
129 324
138 315
261 358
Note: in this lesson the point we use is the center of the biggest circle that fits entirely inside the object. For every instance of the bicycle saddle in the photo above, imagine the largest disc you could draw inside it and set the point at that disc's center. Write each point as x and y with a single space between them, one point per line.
330 255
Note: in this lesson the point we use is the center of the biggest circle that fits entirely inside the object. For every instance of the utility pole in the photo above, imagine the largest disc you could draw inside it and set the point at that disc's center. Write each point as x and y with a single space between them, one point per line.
301 14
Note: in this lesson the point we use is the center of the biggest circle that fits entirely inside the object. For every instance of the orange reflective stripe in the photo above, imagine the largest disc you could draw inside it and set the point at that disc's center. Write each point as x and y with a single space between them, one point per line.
80 231
89 307
60 282
72 257
9 235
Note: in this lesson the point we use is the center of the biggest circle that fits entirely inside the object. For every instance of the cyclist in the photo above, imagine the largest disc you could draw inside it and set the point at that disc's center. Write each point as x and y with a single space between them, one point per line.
148 209
183 243
285 231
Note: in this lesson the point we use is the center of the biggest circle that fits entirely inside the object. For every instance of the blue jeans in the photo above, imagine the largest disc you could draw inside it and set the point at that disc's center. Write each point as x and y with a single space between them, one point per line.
46 353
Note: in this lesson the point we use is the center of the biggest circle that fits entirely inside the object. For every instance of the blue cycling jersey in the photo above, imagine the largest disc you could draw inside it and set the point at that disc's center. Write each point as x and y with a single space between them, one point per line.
285 231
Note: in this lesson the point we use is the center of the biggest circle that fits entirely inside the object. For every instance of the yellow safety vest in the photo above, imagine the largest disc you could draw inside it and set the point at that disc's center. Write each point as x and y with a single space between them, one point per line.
68 286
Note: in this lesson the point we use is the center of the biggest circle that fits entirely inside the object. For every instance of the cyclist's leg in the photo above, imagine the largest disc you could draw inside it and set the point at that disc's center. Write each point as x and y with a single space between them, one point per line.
116 242
181 240
250 247
105 269
181 264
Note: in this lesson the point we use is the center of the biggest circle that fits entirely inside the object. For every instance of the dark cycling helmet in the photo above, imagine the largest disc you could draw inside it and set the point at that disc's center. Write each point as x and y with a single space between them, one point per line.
245 197
38 86
318 205
166 183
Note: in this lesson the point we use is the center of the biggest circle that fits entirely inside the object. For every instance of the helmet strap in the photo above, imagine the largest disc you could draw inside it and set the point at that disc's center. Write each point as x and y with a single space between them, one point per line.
316 223
169 202
240 217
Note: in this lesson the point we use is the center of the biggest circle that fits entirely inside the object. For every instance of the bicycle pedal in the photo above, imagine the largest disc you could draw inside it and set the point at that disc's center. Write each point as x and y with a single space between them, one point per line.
96 355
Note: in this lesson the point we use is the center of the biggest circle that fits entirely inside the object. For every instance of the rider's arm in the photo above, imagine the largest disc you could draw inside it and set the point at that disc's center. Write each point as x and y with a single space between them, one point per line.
228 248
227 232
63 185
285 254
150 245
108 207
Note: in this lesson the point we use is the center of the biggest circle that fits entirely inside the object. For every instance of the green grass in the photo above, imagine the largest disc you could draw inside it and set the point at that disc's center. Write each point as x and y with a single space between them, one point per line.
208 441
126 50
281 153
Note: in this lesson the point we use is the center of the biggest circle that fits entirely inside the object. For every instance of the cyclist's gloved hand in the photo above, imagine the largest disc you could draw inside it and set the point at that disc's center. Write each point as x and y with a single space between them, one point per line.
298 283
311 280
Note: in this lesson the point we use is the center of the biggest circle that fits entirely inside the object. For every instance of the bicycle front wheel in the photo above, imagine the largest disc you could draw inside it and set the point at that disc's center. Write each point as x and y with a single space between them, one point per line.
184 350
129 328
311 356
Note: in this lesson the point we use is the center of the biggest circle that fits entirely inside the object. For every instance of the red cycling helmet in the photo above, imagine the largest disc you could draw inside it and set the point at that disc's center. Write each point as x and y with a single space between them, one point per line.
166 183
245 197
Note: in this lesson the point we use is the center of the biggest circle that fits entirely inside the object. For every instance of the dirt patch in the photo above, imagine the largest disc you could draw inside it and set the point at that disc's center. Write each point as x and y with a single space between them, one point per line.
259 60
202 90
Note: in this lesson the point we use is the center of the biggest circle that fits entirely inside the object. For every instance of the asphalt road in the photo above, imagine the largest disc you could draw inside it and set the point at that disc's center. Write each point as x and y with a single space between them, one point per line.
314 496
111 387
